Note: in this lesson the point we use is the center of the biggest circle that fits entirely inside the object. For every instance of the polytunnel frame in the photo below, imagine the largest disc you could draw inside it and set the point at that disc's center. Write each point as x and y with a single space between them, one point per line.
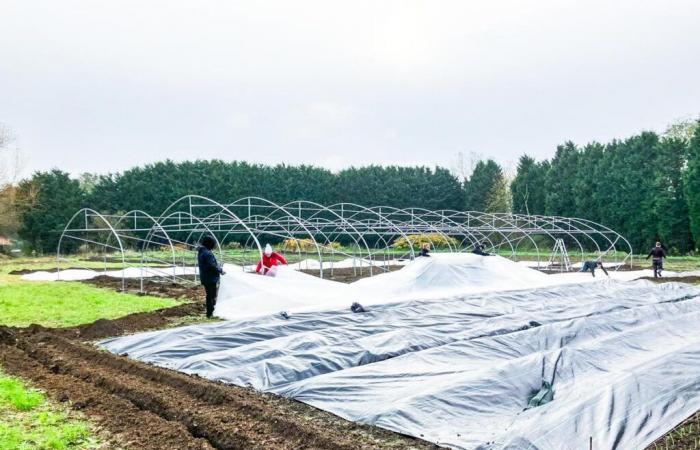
215 204
146 241
472 216
276 208
552 221
66 229
382 218
415 217
463 232
322 209
383 223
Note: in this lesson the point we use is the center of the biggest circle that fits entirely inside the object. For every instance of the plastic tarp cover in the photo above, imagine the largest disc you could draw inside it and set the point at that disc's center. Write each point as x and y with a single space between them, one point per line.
244 294
622 359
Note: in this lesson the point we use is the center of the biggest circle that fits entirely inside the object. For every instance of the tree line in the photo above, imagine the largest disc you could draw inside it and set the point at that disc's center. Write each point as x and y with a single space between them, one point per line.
646 187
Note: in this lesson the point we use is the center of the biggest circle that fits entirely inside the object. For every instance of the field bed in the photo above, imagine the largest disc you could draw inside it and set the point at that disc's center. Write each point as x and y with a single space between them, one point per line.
150 408
141 406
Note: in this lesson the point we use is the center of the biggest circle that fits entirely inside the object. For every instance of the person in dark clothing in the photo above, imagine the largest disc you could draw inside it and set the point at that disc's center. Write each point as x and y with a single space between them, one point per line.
425 250
657 254
592 265
479 250
209 272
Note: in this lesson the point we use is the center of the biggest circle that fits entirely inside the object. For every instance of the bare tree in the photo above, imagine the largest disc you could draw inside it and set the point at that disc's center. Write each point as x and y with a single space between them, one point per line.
683 128
10 166
10 157
464 165
6 135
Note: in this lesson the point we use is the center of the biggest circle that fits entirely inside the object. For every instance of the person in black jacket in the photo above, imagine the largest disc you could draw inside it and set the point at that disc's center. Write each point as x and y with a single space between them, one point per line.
657 254
209 271
479 250
425 250
592 265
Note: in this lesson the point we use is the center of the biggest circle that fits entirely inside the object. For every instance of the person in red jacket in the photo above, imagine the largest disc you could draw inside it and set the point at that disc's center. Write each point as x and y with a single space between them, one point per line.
270 260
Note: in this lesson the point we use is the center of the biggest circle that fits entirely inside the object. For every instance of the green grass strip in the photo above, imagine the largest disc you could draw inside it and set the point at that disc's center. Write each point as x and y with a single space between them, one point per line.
66 304
29 421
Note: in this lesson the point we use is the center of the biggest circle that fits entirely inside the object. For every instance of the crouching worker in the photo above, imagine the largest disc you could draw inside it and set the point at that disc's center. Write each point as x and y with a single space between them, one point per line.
425 250
479 250
592 266
209 272
269 262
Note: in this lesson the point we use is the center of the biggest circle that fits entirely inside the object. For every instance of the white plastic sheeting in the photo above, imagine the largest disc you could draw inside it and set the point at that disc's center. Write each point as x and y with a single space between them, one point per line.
89 274
244 294
459 370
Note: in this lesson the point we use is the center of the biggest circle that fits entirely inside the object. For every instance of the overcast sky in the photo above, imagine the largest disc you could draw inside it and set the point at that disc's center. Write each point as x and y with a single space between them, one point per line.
103 86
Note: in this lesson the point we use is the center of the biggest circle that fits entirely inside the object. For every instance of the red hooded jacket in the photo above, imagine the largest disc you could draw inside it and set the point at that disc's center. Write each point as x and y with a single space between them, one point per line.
268 262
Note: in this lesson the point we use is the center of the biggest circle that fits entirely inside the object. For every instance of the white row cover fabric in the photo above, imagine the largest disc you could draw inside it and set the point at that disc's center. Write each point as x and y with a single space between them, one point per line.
89 274
243 294
459 370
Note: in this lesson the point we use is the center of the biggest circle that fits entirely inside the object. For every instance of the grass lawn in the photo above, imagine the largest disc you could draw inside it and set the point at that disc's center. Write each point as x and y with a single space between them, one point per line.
28 421
66 304
63 304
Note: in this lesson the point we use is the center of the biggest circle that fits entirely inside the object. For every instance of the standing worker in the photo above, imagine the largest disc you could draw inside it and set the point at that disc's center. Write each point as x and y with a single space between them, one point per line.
269 262
657 254
592 265
209 272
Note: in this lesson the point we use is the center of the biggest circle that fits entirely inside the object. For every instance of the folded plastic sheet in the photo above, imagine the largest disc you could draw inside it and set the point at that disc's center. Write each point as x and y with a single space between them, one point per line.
622 359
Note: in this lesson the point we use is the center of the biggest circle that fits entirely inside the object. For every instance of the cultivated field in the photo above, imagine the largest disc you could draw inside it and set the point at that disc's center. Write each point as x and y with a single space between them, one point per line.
59 391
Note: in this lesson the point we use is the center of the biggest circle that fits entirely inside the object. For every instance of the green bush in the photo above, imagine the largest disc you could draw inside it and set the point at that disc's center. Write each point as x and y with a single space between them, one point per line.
434 240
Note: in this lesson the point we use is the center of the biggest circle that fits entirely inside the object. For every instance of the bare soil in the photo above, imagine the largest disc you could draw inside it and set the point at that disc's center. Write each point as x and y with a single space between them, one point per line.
54 269
662 279
685 436
144 407
348 274
151 286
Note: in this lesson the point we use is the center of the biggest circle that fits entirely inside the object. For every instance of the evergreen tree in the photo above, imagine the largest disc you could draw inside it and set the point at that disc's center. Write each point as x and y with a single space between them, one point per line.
691 181
586 181
670 206
48 201
560 199
485 176
636 194
499 199
528 188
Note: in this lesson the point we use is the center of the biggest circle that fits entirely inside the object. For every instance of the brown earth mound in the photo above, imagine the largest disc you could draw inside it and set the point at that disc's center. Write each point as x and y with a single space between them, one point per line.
145 407
130 324
691 280
151 286
348 274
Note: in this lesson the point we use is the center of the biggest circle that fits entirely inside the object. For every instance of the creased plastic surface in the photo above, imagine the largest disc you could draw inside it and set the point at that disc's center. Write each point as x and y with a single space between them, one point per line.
623 359
441 276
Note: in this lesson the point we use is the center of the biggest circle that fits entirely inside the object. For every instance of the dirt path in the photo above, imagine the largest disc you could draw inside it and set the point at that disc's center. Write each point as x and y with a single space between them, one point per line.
146 407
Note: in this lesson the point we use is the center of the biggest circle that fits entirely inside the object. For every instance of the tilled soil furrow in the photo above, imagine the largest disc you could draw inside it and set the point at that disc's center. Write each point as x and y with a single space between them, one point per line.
130 425
204 408
237 401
